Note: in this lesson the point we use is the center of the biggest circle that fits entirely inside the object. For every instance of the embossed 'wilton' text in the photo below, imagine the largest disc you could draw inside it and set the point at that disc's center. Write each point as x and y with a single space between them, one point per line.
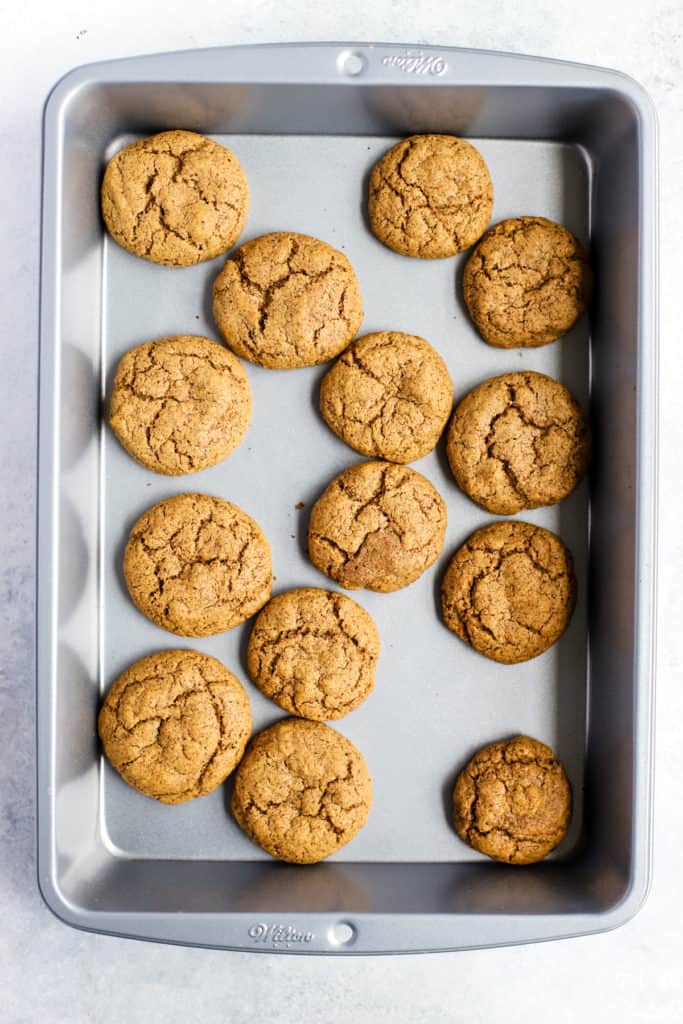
417 63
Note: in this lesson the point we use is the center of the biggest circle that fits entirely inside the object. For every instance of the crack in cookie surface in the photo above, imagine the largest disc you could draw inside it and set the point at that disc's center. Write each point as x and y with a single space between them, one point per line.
286 300
377 525
388 396
509 591
302 791
512 801
197 565
314 653
175 724
175 198
430 196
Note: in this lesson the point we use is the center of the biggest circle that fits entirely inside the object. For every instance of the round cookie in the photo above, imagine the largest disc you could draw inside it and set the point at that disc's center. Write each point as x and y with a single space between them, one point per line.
180 404
388 396
302 791
197 565
526 283
509 591
377 526
314 653
430 196
513 801
175 198
518 441
286 300
175 724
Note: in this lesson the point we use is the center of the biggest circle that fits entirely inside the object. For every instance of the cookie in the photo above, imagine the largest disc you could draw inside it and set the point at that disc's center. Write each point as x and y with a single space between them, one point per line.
509 591
513 801
526 283
175 724
175 198
285 300
197 565
180 404
377 526
302 791
388 396
518 441
314 653
430 196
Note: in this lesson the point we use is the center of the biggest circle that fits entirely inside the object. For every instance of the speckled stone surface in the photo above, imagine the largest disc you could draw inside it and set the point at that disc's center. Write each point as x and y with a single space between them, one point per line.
51 973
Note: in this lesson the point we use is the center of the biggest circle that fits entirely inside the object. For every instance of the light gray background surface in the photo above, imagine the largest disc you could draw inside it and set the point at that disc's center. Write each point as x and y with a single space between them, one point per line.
53 974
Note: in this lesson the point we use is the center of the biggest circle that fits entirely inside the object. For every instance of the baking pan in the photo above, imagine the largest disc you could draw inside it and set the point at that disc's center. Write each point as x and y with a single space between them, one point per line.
573 143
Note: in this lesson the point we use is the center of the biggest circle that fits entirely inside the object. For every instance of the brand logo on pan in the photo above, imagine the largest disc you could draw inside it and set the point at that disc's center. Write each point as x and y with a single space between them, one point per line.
278 934
414 62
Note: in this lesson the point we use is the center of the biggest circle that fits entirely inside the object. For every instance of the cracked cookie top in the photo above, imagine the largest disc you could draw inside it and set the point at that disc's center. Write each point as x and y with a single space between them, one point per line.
377 526
197 565
175 724
518 441
512 801
314 653
175 198
526 283
430 196
286 300
389 396
302 791
509 591
180 404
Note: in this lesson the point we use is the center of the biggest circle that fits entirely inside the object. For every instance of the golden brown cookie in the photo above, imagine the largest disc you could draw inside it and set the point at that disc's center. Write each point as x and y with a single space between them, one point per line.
314 653
513 801
180 404
430 196
509 591
526 283
175 198
518 441
285 300
389 396
175 724
197 565
302 791
377 526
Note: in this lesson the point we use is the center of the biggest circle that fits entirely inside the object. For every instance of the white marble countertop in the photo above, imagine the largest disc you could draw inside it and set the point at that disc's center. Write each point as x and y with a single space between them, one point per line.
50 973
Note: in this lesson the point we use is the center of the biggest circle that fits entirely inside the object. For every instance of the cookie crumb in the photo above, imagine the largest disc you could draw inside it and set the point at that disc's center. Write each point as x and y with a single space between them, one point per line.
299 505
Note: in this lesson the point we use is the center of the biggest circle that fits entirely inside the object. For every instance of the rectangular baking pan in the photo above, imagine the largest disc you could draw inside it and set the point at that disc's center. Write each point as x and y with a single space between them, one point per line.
573 143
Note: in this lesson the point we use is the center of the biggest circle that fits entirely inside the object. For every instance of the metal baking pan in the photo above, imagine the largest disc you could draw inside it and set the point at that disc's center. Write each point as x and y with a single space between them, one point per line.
573 143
